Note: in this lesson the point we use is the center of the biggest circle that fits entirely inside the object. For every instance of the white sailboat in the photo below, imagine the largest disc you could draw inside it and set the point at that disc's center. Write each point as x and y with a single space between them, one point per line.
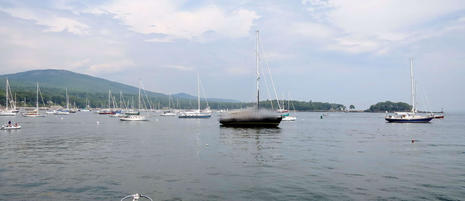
289 117
168 113
35 113
87 108
412 116
8 111
197 113
135 117
62 111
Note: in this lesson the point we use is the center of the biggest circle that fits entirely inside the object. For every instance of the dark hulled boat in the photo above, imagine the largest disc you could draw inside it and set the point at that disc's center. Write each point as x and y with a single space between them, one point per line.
408 117
412 116
252 117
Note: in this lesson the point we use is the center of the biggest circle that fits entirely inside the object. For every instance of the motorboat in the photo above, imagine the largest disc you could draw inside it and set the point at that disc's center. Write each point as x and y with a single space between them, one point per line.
11 127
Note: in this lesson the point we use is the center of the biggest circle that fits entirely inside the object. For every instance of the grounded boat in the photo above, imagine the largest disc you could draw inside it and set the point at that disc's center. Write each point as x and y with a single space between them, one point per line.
252 117
197 114
7 111
35 113
412 116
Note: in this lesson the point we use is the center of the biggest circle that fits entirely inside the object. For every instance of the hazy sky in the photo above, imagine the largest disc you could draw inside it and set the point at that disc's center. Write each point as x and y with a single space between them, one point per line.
350 52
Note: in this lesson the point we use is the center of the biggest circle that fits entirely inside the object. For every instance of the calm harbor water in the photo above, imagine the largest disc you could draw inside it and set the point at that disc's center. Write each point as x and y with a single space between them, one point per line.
345 156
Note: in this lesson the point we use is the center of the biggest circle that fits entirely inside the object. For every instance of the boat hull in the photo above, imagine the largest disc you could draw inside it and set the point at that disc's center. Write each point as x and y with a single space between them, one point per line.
33 115
416 120
10 127
195 117
133 118
267 122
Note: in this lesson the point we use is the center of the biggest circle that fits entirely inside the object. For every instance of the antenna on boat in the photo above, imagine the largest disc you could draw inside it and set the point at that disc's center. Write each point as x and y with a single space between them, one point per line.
412 79
258 72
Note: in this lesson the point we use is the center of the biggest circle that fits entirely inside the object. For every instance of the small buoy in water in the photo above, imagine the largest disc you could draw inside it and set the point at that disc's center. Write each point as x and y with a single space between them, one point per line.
98 122
321 117
61 118
206 145
413 141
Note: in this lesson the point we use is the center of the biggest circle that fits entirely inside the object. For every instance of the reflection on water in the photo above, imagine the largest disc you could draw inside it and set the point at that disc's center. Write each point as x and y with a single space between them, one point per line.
345 156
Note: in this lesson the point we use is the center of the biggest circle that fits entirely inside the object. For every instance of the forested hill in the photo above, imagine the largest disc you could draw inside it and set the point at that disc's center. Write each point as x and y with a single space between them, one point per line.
81 87
61 79
390 107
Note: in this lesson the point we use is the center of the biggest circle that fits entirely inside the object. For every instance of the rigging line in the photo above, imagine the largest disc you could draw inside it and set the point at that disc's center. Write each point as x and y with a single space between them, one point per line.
271 77
203 92
146 97
268 93
426 98
267 86
40 93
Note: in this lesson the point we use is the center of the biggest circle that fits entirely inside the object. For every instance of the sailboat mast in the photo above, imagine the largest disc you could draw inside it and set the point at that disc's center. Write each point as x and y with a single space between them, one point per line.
198 92
412 80
139 99
258 73
6 89
109 95
67 99
37 97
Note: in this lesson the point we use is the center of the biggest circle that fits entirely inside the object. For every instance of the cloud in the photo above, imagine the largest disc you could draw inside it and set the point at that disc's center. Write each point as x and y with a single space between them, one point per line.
110 67
52 22
178 67
375 26
167 18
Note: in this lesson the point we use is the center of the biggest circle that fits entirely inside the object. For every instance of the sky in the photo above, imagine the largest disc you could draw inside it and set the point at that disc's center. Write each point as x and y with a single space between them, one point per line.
349 52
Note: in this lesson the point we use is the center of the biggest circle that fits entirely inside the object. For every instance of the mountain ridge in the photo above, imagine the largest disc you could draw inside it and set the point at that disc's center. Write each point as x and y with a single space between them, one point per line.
59 79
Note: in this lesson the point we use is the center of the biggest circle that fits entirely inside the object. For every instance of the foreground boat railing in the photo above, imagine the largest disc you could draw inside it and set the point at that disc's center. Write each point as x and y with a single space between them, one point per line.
136 197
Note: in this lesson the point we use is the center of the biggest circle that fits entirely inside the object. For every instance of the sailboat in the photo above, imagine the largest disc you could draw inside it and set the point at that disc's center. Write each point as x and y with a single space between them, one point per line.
87 108
168 112
197 113
8 111
35 113
254 117
108 110
66 111
134 117
289 117
412 116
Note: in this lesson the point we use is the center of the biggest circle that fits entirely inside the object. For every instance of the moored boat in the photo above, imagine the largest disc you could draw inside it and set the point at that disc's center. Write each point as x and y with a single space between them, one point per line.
35 112
412 116
134 116
197 114
8 111
254 117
